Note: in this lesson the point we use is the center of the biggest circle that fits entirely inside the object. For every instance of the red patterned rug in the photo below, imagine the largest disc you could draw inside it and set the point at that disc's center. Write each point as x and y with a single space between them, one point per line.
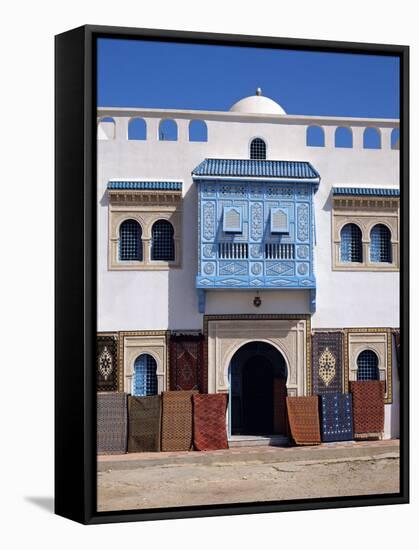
368 408
176 421
303 416
209 421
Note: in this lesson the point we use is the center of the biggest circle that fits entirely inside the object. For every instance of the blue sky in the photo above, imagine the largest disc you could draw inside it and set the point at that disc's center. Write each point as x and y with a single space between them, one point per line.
133 73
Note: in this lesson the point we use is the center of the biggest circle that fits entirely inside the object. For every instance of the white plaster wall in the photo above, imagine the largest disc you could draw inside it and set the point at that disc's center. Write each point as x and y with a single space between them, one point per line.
138 300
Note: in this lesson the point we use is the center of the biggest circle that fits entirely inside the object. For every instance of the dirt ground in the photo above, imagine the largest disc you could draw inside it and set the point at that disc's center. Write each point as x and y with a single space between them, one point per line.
247 478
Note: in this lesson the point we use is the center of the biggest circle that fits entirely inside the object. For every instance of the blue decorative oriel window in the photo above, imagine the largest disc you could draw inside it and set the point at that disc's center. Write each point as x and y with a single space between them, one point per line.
367 364
380 248
351 243
232 219
280 220
145 377
130 244
256 225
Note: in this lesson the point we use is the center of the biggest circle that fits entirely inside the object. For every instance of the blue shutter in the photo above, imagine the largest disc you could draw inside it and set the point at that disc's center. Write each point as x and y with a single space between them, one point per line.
232 219
280 220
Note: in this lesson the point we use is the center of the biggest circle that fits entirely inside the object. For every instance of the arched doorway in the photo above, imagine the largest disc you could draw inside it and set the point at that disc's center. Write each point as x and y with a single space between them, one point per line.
258 374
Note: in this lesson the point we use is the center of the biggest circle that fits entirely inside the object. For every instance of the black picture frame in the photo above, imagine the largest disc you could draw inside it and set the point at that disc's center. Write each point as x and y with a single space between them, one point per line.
75 273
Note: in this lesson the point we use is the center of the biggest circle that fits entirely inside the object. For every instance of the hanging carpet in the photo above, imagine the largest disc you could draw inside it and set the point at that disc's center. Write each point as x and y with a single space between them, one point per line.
144 423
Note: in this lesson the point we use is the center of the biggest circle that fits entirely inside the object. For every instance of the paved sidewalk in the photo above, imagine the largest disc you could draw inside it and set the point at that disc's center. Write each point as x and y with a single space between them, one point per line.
262 454
247 474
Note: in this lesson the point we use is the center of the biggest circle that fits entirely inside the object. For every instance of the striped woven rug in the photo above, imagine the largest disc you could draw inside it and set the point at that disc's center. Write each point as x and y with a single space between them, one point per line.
111 422
144 423
209 421
177 420
368 408
303 417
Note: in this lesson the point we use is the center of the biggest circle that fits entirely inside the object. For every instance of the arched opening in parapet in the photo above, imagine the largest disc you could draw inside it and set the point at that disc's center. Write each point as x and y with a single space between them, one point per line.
137 129
106 128
315 136
198 130
343 137
167 130
395 138
258 375
372 138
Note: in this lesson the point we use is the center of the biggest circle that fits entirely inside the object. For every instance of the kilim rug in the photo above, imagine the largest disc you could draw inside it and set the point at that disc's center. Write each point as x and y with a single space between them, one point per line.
111 422
336 417
176 434
368 408
280 407
106 363
144 423
209 421
187 367
327 363
303 416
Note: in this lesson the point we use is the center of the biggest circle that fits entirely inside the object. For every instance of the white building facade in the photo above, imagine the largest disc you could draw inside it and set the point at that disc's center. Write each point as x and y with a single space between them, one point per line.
250 252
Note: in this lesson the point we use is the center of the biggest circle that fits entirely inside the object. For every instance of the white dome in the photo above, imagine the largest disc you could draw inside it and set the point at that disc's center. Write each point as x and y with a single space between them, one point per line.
258 104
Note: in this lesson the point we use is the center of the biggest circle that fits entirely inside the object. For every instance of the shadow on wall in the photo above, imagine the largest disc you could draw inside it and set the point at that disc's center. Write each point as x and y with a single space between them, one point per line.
183 311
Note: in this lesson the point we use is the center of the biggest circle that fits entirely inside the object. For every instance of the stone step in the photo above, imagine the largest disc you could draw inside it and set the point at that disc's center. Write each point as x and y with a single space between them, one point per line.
258 440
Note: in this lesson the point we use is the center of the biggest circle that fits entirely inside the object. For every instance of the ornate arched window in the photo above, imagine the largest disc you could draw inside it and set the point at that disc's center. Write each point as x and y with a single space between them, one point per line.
258 149
130 243
315 136
367 364
351 243
162 241
145 375
380 250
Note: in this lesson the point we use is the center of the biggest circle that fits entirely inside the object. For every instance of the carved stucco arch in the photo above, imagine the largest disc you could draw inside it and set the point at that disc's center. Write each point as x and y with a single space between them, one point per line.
237 346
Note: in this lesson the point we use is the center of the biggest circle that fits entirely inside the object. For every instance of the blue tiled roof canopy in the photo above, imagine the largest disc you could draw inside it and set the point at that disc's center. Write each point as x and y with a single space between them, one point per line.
364 191
145 185
255 168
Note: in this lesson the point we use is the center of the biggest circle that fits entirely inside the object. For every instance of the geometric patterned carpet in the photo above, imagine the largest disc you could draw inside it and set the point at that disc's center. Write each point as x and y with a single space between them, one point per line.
209 421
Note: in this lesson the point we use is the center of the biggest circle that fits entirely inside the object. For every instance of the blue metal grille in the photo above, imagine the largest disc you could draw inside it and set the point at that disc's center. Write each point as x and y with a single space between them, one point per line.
130 245
351 243
367 366
163 246
145 377
380 250
258 149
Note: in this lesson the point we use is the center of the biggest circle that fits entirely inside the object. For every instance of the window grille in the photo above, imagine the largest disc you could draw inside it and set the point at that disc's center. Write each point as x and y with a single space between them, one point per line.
233 251
130 244
380 250
145 377
367 363
351 243
162 245
276 251
258 149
